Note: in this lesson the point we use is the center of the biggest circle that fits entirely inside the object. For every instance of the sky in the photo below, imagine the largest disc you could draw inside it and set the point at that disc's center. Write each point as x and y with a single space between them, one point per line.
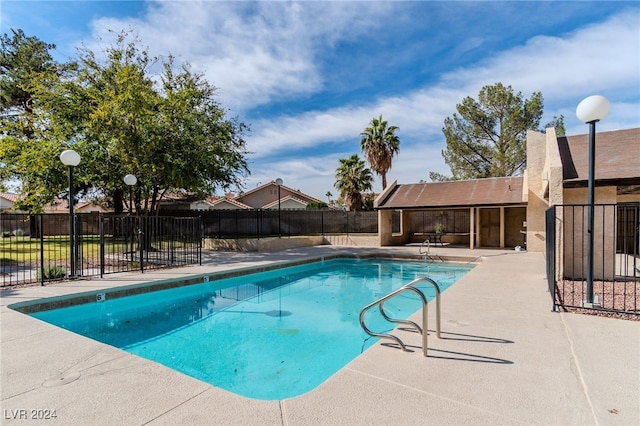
308 77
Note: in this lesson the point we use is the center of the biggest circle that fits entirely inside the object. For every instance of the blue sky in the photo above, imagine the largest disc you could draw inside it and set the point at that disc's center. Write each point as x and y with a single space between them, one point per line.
309 76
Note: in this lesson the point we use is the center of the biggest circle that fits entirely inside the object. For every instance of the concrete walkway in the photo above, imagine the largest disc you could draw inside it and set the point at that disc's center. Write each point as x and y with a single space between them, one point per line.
504 358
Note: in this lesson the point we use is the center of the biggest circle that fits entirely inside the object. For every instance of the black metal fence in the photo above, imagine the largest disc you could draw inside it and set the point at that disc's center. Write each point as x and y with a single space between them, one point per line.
616 257
284 223
39 248
452 220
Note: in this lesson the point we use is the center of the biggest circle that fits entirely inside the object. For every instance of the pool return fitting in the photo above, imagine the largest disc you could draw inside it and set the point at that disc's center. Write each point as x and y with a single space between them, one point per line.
424 330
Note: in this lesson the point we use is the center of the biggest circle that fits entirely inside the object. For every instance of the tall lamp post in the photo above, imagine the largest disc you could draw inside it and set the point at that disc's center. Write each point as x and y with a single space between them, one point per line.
279 183
591 110
71 159
130 180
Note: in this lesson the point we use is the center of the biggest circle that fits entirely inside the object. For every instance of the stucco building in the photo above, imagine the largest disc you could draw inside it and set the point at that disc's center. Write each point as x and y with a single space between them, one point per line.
510 212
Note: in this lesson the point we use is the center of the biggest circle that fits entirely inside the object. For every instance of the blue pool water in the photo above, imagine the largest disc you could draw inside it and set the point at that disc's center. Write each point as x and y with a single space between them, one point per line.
269 335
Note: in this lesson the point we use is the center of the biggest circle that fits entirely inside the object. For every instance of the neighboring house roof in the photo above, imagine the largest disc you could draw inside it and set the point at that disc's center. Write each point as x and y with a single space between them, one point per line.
59 205
7 200
261 197
10 197
617 158
455 193
223 203
286 203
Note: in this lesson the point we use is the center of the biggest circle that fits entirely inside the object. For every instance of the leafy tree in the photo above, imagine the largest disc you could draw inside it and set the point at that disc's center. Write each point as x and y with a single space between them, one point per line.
174 138
367 201
168 131
557 123
487 138
29 145
316 205
379 144
438 177
352 179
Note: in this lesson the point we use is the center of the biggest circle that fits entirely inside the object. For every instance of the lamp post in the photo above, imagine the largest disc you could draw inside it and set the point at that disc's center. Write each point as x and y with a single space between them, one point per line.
279 183
71 159
590 111
130 180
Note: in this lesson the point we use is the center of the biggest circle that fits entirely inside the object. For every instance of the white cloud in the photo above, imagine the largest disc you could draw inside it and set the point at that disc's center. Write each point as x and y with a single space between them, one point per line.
254 53
257 53
602 58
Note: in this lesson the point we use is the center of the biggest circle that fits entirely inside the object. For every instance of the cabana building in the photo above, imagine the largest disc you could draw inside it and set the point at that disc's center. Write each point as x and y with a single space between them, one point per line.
510 212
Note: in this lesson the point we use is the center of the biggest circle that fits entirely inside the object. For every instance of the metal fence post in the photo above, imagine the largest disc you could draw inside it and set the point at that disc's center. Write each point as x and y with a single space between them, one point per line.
550 225
41 232
141 243
101 247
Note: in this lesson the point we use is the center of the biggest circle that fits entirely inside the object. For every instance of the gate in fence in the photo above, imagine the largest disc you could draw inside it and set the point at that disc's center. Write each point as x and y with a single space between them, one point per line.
37 248
616 257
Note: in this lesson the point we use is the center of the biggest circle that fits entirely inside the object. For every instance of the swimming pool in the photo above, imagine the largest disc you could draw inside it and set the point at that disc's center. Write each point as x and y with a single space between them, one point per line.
268 335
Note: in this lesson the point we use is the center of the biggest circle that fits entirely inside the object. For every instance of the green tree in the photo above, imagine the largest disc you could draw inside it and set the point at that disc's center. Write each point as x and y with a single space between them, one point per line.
557 123
168 131
316 205
352 179
438 177
487 137
379 144
29 145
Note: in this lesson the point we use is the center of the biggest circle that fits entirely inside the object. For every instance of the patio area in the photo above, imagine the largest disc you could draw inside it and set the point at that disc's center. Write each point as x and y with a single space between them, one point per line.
504 358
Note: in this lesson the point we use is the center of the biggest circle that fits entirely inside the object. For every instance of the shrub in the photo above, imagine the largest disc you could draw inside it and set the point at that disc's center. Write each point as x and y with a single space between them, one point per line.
52 272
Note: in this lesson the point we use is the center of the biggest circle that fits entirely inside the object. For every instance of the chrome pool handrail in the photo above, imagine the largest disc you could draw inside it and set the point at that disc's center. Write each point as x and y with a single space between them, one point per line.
422 330
428 244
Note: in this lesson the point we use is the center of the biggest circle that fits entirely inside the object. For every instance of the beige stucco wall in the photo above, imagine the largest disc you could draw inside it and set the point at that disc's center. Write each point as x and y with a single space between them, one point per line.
629 198
385 234
265 195
274 244
544 183
5 204
263 244
574 233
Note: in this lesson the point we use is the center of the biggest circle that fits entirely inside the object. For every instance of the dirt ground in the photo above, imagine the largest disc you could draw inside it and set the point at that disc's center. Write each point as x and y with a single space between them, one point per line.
618 295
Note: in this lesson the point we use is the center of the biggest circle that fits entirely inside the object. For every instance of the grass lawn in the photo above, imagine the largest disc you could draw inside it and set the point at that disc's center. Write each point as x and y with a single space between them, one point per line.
26 249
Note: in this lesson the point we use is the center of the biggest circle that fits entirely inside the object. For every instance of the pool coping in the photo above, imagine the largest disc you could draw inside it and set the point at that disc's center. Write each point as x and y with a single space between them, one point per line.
57 302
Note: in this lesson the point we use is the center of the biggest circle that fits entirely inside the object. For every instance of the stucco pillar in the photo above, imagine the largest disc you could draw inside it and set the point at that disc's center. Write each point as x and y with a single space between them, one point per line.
472 228
384 227
477 226
502 227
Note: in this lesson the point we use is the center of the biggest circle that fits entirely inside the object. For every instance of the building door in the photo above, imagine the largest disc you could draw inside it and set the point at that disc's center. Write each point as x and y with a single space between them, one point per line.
514 218
490 227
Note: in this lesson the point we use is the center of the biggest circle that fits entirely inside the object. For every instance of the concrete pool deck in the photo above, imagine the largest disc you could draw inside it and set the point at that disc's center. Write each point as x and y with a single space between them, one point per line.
504 358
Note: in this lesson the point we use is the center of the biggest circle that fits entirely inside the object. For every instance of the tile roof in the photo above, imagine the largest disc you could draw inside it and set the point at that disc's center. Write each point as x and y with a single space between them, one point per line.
617 157
284 200
298 194
10 196
460 193
229 200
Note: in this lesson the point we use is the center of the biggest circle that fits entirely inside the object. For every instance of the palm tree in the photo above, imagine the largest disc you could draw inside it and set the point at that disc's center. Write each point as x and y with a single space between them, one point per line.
353 178
379 144
329 195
